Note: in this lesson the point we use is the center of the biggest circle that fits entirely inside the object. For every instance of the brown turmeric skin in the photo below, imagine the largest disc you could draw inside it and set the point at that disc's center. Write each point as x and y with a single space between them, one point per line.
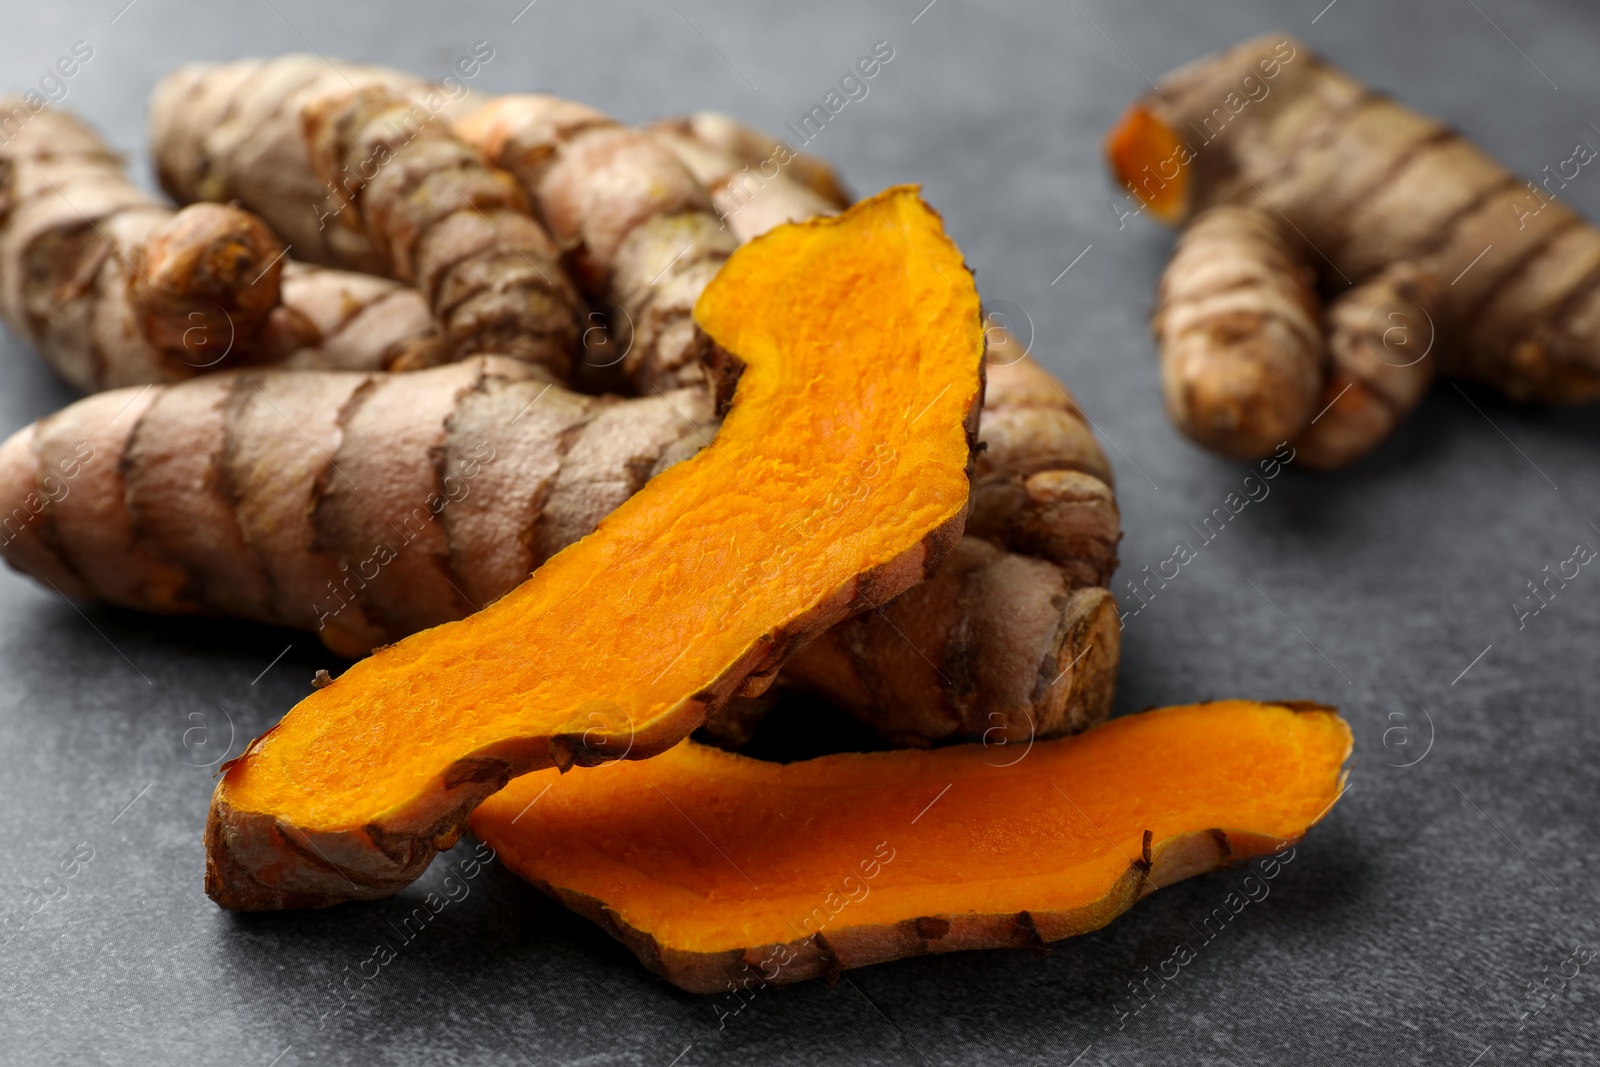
760 150
379 167
114 288
361 506
635 226
111 287
1373 192
1238 325
225 132
1379 338
1250 360
344 320
441 219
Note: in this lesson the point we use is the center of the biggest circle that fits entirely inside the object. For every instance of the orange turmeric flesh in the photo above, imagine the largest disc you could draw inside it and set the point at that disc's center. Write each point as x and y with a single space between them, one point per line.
839 478
1150 162
715 868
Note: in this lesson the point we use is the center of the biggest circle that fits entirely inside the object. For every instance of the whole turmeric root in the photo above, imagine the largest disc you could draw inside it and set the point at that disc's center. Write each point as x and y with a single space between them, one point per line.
1042 488
414 201
1427 233
114 288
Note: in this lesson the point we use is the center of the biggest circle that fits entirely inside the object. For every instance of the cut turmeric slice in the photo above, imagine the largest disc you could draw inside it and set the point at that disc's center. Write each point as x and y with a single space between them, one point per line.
716 869
862 355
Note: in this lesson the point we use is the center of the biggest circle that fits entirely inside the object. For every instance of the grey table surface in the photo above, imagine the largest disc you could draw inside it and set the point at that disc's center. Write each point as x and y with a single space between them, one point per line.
1410 928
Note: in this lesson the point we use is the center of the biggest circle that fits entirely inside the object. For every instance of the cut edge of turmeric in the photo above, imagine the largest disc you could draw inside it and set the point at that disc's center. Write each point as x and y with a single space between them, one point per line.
1139 142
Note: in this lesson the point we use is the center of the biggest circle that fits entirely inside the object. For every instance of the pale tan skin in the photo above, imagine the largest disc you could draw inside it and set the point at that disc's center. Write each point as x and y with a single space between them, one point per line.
344 320
1380 367
281 496
636 227
111 286
115 288
1242 353
1250 359
751 193
232 131
366 173
1392 210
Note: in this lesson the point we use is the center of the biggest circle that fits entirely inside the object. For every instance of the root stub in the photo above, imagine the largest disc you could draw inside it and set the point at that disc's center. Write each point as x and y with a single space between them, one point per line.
809 868
619 645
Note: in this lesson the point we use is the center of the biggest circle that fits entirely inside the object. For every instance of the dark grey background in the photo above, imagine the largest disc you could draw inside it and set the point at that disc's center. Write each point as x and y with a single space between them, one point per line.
1410 924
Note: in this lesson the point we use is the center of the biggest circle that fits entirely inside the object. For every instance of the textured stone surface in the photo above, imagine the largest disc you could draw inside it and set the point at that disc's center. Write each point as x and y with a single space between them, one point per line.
1405 931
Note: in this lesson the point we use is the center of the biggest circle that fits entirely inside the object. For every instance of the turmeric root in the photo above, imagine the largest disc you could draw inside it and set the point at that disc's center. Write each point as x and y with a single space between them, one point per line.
996 646
422 206
1237 321
908 853
1244 365
1041 491
694 588
1043 485
111 287
1379 334
636 226
939 662
226 132
115 289
1374 193
370 505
